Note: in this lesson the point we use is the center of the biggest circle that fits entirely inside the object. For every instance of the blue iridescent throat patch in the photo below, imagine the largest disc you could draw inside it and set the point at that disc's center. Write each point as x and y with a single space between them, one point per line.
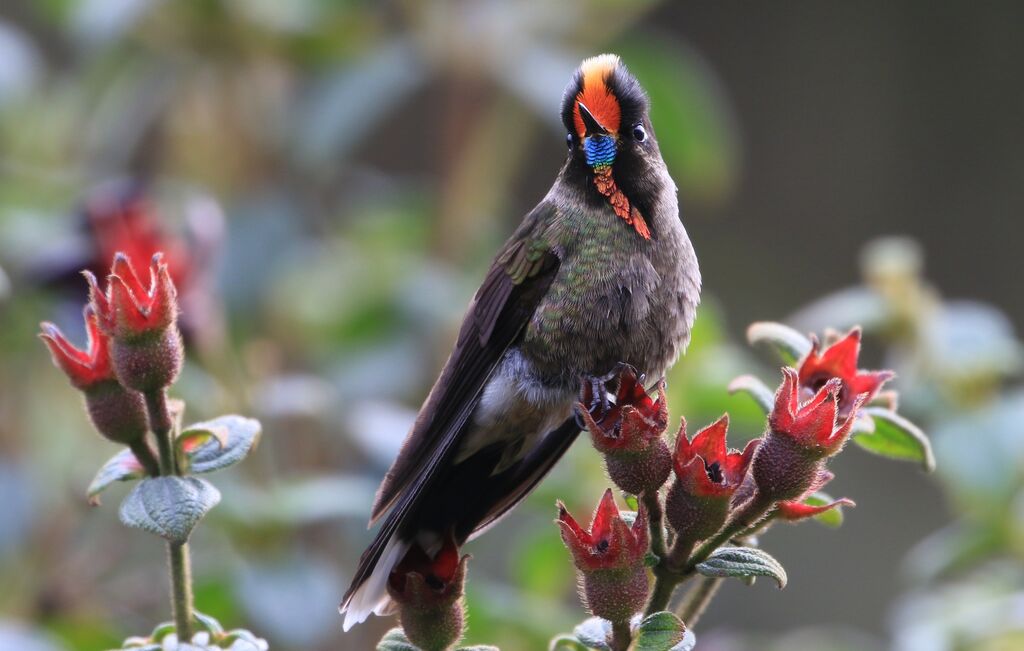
599 150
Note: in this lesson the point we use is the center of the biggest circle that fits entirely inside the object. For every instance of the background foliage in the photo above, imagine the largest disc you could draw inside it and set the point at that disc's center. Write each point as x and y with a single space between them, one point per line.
348 168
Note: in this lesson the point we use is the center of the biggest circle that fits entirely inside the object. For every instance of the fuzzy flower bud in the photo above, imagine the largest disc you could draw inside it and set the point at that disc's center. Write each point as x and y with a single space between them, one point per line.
800 438
610 559
629 434
146 348
117 413
428 592
707 477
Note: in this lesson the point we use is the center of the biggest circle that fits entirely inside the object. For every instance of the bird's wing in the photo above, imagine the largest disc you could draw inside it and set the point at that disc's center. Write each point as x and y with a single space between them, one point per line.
501 308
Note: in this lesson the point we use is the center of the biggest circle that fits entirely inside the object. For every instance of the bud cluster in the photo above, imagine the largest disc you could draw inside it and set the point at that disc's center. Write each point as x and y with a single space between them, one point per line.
710 495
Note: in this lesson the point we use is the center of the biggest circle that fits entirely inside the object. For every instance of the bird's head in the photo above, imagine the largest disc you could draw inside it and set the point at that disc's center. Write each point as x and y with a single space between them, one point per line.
610 138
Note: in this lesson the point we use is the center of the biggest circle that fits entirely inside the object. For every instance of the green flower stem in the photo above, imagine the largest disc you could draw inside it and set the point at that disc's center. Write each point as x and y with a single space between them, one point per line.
655 520
144 453
161 424
698 599
667 574
621 636
177 553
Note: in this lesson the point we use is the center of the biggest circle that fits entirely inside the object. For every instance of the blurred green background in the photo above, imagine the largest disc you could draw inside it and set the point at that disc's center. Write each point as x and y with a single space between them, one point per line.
340 174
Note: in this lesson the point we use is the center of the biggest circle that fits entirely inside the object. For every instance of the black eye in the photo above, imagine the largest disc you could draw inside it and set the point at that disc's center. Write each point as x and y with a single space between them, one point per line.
639 133
568 140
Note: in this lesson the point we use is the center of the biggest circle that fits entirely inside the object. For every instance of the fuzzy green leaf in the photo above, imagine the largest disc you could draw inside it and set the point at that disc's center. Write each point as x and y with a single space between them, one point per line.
743 562
663 632
216 444
395 640
896 437
123 466
789 344
169 507
207 623
756 389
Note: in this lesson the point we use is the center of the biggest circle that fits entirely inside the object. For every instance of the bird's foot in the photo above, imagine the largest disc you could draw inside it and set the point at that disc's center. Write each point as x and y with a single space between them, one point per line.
600 393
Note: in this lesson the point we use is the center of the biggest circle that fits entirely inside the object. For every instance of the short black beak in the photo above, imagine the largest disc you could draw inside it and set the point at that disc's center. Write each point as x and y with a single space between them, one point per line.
590 122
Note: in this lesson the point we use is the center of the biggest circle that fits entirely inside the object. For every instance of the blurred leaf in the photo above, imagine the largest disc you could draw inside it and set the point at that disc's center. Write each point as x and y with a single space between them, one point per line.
296 587
301 501
210 624
169 507
594 633
832 518
756 389
15 636
123 466
843 310
539 565
743 562
663 632
566 642
395 640
790 345
896 437
217 443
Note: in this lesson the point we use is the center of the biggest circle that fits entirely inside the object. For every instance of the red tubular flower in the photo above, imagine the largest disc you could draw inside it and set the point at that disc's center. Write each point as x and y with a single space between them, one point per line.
146 349
707 476
428 592
800 438
840 361
117 413
610 559
629 433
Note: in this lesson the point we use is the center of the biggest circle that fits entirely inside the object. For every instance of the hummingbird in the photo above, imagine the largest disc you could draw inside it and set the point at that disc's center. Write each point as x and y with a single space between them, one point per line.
599 274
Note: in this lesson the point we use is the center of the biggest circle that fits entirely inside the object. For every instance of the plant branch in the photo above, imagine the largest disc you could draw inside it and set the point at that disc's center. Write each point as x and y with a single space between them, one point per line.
656 517
698 599
621 636
177 553
143 451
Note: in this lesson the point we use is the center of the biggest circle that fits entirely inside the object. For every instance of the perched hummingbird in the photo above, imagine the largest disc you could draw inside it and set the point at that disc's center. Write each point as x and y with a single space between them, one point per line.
600 273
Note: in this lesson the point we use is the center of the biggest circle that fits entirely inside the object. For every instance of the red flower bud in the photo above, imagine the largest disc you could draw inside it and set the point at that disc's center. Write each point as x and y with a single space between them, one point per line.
800 438
117 413
428 592
610 559
840 361
146 350
629 433
707 476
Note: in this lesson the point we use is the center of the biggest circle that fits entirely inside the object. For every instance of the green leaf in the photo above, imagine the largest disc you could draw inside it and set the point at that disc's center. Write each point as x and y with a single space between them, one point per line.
216 444
123 466
162 630
566 642
743 562
207 622
756 389
790 345
395 640
833 518
478 647
896 437
594 633
169 507
663 632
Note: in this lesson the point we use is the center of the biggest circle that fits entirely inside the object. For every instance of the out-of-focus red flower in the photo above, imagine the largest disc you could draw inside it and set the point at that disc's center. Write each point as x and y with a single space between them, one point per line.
610 559
796 510
428 592
707 476
840 361
85 368
800 438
